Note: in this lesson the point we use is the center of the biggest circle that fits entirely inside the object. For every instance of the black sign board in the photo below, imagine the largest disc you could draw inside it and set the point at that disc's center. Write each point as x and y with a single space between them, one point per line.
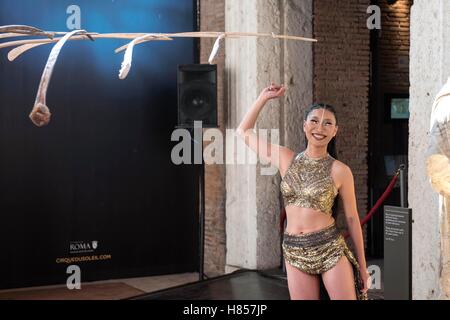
397 253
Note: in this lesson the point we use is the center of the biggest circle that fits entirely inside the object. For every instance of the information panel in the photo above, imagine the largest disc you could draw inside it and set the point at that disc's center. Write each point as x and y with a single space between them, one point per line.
397 253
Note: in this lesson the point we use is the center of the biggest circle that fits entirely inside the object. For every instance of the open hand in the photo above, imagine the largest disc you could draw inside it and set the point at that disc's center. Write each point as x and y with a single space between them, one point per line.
272 91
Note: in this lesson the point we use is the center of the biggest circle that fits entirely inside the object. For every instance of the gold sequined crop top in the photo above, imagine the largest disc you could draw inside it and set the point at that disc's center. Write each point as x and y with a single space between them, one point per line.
308 183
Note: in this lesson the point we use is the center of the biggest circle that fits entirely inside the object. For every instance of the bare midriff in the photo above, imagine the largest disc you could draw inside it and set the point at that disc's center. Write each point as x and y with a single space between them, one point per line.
304 220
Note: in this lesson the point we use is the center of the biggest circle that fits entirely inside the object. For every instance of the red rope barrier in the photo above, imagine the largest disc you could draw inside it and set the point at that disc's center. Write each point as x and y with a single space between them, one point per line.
368 215
383 197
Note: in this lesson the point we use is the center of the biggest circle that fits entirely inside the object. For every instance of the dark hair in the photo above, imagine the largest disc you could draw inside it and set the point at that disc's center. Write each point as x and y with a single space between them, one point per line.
331 148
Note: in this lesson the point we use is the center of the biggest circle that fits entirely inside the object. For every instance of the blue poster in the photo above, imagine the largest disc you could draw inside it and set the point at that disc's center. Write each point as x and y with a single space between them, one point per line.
96 188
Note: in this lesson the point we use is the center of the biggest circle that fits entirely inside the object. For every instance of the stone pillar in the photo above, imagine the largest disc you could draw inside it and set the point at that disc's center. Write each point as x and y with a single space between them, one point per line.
429 70
253 200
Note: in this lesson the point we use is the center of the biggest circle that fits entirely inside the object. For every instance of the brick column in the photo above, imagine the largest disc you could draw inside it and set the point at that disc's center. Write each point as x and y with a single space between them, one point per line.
341 78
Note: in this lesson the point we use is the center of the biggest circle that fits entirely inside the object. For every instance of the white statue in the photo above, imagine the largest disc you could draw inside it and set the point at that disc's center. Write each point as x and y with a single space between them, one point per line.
438 169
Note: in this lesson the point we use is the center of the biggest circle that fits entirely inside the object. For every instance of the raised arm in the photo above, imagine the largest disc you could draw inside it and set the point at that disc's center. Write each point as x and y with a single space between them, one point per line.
266 151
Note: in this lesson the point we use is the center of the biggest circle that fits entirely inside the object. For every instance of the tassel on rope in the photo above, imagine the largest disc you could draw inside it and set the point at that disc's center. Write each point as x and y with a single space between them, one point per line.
40 115
215 49
128 58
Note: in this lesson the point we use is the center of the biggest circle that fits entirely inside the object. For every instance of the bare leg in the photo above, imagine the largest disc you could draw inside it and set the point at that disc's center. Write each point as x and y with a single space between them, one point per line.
302 286
339 281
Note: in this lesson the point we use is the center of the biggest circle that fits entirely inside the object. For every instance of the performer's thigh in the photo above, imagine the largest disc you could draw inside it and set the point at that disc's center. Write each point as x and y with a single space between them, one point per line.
339 281
302 286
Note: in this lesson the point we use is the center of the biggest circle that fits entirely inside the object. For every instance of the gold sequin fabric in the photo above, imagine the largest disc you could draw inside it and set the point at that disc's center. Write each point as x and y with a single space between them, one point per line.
308 183
319 251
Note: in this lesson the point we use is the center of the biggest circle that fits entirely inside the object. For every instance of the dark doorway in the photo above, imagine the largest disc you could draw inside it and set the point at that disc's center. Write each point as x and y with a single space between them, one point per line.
388 114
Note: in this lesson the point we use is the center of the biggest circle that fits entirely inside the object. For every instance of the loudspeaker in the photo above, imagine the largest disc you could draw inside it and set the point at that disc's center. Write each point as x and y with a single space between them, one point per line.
197 95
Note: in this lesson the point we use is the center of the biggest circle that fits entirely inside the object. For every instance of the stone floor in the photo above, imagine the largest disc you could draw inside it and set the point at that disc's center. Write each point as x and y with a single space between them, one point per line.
130 287
101 290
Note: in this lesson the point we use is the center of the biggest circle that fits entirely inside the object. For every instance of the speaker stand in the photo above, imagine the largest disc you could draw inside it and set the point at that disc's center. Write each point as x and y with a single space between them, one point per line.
202 212
201 184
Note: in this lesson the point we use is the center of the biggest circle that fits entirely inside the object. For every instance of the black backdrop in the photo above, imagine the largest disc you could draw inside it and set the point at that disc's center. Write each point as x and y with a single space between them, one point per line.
98 182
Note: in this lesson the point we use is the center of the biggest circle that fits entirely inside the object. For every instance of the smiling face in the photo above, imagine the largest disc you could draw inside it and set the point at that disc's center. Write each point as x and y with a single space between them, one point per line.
320 127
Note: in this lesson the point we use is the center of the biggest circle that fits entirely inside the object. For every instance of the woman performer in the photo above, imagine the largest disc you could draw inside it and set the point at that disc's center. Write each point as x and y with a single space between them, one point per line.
310 183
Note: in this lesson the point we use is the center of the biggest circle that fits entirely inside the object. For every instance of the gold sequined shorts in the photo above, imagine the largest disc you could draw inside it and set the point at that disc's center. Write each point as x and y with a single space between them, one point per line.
319 251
